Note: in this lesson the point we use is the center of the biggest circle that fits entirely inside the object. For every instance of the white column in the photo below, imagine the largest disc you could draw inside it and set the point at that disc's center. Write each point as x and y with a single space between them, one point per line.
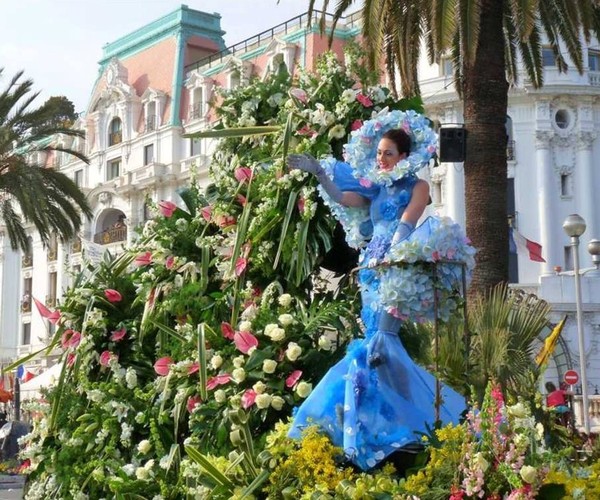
547 191
585 193
455 180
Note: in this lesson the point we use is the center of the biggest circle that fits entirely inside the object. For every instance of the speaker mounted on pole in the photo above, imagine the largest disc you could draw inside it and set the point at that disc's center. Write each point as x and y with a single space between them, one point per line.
453 144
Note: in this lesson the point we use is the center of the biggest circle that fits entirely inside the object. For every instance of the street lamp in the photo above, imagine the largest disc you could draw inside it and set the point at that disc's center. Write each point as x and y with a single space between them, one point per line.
574 226
594 250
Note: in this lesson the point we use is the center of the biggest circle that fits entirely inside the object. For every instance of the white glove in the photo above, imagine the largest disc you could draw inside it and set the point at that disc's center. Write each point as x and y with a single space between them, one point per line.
403 230
308 163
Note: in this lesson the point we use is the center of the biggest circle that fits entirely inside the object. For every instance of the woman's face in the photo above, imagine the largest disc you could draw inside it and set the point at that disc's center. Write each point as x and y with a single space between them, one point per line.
388 155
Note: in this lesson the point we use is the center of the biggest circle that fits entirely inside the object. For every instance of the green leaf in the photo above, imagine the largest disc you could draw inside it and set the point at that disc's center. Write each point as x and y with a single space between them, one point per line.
289 211
209 468
235 132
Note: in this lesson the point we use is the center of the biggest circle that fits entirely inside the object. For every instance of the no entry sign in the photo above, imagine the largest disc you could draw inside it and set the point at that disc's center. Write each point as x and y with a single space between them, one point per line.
571 377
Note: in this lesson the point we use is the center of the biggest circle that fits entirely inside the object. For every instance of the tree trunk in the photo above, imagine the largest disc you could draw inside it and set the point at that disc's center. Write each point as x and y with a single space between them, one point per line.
485 94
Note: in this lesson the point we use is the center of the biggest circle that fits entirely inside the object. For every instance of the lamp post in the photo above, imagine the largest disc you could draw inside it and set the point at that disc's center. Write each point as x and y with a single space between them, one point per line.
594 250
574 226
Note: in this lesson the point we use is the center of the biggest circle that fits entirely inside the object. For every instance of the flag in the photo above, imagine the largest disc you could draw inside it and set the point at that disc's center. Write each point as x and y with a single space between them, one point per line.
550 343
518 244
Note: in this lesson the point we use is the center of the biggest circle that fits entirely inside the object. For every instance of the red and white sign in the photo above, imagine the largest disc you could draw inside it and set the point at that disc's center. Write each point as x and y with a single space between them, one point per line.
571 377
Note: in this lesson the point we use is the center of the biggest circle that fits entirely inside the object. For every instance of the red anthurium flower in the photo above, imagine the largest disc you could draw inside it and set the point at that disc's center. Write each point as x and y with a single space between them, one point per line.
301 202
299 94
192 402
170 262
70 338
106 357
244 341
293 378
248 399
118 334
143 259
220 379
243 174
206 212
227 330
162 366
194 367
356 124
71 357
240 266
112 295
364 100
241 199
224 221
52 316
167 208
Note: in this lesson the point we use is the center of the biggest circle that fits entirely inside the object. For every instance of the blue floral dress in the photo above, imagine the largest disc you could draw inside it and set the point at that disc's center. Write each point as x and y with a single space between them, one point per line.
376 400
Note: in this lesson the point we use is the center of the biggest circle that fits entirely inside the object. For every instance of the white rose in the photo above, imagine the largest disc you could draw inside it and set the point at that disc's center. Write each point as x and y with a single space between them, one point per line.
239 375
324 343
303 389
269 329
286 319
245 326
277 402
239 361
216 361
259 387
528 473
293 351
144 446
220 396
518 410
285 300
142 473
277 335
250 313
269 366
263 401
539 430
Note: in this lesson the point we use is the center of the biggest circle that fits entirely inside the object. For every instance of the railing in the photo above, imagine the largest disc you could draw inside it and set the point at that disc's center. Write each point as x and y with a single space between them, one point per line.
195 111
50 301
594 78
151 122
510 151
26 303
112 235
245 45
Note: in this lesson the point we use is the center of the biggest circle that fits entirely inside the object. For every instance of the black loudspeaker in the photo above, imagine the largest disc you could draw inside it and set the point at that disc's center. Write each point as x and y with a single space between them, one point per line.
453 144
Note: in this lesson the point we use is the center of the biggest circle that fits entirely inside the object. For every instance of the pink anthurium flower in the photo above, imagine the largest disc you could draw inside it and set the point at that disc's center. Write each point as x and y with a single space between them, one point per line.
106 357
364 100
194 367
240 266
300 204
227 330
243 174
293 378
206 212
241 199
70 338
218 380
299 94
170 262
52 316
245 341
71 357
167 208
118 334
143 259
113 295
162 366
192 402
248 399
356 124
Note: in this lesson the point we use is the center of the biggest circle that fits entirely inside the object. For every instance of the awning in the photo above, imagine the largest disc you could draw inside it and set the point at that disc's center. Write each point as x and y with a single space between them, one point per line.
47 378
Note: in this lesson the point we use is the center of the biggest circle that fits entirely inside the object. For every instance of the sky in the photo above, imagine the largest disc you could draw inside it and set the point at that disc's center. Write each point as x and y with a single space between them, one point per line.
58 43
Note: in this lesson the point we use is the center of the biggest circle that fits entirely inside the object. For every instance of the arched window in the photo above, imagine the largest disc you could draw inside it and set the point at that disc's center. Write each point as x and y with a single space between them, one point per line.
115 135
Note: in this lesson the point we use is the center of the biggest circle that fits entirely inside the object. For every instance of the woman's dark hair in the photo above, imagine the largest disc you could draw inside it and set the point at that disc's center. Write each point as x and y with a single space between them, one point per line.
400 138
550 387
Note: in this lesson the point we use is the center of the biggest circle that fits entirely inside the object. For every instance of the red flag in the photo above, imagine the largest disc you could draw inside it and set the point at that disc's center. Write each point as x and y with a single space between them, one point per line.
52 316
519 244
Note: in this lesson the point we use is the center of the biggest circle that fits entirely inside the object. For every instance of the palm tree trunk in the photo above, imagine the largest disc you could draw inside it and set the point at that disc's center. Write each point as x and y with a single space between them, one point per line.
485 92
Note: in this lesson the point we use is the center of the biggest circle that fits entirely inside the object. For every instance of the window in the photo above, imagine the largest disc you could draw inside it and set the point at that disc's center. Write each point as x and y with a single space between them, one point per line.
115 135
26 298
148 154
151 119
548 58
594 60
78 178
562 119
446 66
113 169
235 79
52 285
52 248
196 108
194 147
147 210
26 335
565 185
568 258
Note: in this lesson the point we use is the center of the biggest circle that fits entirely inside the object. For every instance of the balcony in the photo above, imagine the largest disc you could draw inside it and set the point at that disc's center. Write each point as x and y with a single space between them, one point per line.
151 123
27 260
26 303
50 301
510 151
52 254
115 138
111 235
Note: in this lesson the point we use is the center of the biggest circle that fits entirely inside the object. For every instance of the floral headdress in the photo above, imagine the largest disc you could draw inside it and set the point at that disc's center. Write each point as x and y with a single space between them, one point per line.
361 151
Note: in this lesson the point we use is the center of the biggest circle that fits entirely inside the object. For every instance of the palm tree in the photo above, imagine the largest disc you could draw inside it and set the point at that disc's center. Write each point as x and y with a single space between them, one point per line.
484 39
29 191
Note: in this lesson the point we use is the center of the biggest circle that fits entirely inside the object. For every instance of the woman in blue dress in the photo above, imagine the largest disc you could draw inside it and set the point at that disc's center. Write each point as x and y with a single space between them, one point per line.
376 400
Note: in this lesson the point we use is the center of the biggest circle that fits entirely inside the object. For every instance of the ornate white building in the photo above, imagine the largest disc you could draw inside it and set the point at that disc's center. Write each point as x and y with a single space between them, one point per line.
155 84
